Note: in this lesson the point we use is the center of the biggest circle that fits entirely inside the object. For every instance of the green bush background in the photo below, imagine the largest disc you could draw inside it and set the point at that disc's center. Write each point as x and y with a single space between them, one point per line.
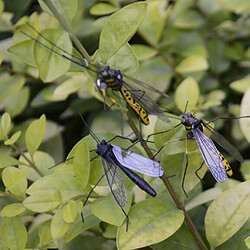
192 50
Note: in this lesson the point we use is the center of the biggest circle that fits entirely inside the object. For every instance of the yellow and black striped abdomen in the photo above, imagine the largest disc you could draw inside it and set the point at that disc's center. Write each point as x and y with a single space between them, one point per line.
111 83
135 106
226 165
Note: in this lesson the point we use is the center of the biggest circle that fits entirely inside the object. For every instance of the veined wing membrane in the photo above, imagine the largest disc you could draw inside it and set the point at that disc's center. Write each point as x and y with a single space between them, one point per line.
224 143
210 155
145 85
137 162
115 182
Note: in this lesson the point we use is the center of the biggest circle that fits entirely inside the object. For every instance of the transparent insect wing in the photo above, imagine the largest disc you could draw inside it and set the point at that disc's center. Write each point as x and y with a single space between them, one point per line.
137 162
224 143
115 182
146 102
210 155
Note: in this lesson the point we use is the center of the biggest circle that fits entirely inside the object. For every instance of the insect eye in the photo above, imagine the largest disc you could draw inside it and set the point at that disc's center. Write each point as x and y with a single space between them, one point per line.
105 73
183 120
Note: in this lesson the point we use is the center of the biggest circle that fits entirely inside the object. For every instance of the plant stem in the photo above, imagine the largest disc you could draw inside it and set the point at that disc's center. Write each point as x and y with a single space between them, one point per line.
69 29
169 187
27 159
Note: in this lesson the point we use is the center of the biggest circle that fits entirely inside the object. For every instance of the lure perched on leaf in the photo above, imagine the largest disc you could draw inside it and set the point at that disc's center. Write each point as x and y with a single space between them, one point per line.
107 78
216 162
114 158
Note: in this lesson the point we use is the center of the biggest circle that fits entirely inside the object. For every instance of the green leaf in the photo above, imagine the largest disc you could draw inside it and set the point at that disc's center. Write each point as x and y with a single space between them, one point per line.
151 221
45 236
100 9
23 50
1 55
216 59
18 101
203 197
191 64
12 210
43 201
6 160
58 226
49 64
188 90
81 164
5 124
13 138
15 181
247 241
65 182
143 52
78 227
245 123
152 26
228 212
119 28
183 239
245 169
13 233
42 161
70 212
110 212
66 9
241 85
34 134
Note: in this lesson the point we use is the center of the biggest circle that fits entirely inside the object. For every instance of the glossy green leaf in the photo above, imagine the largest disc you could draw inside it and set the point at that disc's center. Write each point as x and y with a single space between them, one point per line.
107 210
49 64
192 63
226 215
18 101
15 181
45 236
151 221
78 227
154 21
81 164
241 85
67 9
34 134
6 160
58 226
183 239
43 163
203 197
5 124
43 201
247 240
23 50
245 169
102 9
12 210
245 123
119 28
13 138
188 90
13 233
65 182
143 52
70 212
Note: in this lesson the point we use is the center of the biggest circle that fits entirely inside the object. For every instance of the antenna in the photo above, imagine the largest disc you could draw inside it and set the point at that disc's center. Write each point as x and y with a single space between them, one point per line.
90 131
186 107
56 52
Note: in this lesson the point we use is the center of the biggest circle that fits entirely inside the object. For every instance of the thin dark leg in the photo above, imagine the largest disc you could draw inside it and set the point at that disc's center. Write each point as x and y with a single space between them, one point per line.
61 162
225 118
122 137
196 172
185 171
162 132
91 191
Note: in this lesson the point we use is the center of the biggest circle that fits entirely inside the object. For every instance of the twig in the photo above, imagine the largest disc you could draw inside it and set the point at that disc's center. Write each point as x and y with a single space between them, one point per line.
169 187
